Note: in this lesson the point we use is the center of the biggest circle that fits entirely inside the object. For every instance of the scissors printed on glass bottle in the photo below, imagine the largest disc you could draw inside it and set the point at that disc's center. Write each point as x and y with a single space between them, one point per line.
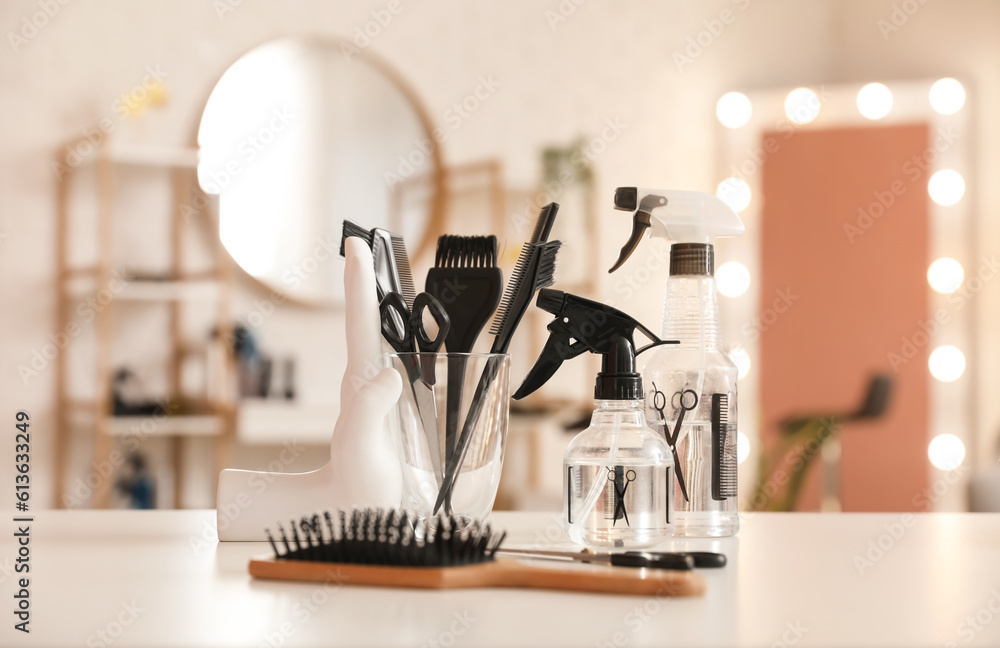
684 406
619 478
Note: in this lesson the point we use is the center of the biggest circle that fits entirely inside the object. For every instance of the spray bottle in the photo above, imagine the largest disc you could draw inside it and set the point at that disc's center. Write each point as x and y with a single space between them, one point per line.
691 387
617 474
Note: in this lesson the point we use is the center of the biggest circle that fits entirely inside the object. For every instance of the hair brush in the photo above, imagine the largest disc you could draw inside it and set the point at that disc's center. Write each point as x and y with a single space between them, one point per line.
388 548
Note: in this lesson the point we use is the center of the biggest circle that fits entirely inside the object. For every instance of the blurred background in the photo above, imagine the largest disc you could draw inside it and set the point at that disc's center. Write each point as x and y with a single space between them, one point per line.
174 176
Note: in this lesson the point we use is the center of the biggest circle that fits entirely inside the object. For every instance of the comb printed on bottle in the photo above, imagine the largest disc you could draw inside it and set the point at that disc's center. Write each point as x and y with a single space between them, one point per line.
724 464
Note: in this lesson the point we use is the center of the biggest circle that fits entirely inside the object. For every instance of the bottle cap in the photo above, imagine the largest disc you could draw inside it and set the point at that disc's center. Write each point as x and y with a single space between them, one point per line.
618 379
692 259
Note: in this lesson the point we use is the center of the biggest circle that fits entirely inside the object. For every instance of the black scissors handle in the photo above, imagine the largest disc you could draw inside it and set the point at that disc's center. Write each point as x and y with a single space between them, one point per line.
426 344
403 328
394 316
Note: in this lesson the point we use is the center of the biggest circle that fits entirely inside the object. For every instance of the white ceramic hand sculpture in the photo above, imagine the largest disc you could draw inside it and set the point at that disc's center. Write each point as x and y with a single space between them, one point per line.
363 468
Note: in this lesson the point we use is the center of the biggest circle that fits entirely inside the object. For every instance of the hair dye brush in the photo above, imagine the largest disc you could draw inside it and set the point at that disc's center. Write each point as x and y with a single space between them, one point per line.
466 280
387 548
535 270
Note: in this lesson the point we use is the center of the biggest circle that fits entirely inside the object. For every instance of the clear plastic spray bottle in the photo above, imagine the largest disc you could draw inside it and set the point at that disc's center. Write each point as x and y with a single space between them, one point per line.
691 387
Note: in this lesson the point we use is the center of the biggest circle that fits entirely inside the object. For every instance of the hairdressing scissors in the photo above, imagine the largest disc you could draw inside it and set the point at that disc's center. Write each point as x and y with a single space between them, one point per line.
403 328
620 479
659 404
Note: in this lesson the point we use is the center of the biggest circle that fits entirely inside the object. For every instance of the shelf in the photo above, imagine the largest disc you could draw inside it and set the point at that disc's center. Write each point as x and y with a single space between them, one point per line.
201 290
172 289
202 425
153 426
264 421
154 156
154 291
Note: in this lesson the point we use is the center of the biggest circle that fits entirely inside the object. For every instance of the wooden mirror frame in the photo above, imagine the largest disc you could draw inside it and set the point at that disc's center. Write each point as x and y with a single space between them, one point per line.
436 177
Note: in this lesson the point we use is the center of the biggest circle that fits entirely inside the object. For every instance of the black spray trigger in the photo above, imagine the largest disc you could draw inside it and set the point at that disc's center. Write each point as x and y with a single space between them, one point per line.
581 325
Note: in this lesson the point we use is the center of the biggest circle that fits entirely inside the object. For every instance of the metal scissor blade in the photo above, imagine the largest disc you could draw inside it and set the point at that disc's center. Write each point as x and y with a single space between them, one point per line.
423 395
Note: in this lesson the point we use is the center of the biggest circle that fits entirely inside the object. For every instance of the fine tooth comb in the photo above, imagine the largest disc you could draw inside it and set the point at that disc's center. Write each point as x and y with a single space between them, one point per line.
403 273
724 464
535 270
466 280
388 548
515 300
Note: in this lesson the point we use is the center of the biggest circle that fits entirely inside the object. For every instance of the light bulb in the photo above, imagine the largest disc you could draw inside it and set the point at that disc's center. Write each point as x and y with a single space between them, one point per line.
732 279
946 187
802 105
733 109
742 447
947 96
946 452
874 101
945 275
741 358
735 192
946 363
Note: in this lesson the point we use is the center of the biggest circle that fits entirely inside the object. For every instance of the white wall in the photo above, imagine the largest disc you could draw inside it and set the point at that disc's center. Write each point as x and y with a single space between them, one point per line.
605 61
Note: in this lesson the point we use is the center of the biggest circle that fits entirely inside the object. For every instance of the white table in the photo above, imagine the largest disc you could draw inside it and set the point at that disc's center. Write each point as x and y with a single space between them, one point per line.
792 579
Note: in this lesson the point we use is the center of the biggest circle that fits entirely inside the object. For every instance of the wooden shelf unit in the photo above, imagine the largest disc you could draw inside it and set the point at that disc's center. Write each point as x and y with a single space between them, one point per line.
219 421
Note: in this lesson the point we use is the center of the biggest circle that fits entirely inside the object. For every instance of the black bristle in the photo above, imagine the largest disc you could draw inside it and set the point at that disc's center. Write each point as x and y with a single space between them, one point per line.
441 252
270 539
544 276
380 537
492 551
353 229
547 266
284 540
466 252
542 270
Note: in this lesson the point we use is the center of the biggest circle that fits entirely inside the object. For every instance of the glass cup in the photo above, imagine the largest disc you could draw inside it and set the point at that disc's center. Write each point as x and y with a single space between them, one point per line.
450 430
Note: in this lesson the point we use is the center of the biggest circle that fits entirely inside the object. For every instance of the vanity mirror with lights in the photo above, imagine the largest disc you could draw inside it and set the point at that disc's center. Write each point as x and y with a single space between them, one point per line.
854 200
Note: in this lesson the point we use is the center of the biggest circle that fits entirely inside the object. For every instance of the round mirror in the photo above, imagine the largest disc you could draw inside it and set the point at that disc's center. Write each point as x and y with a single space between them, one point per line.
299 135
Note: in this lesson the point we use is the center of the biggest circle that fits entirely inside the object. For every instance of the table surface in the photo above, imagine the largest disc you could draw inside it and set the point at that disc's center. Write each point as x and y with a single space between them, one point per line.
159 578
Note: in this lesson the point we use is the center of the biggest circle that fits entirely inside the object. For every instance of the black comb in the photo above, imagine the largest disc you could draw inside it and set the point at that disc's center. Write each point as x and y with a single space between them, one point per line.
403 271
724 464
535 269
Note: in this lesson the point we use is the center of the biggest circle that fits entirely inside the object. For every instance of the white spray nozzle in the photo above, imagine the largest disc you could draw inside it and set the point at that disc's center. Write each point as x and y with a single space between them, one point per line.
681 216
